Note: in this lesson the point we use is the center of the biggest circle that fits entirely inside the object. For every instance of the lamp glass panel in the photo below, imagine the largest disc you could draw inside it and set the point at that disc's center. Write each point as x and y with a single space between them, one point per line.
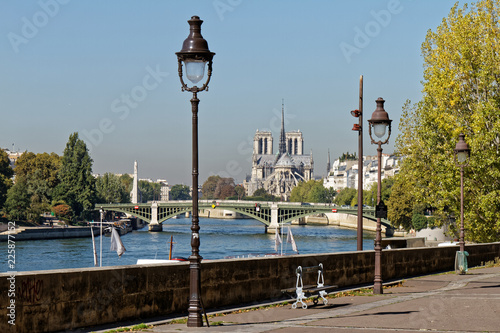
462 157
379 130
195 70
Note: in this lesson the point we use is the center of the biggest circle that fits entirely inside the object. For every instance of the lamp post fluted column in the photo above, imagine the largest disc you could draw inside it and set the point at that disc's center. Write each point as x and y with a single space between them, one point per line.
195 56
462 228
377 286
379 122
462 156
194 311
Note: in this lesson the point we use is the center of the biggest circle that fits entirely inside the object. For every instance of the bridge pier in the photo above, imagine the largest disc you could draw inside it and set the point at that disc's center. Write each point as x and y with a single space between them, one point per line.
299 221
274 225
154 225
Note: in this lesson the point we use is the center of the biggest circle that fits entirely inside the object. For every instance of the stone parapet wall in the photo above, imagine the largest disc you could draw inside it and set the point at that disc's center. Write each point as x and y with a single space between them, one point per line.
72 298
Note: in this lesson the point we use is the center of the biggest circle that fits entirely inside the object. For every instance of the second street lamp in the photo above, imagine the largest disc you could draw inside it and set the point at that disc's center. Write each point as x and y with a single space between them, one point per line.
379 123
195 56
462 155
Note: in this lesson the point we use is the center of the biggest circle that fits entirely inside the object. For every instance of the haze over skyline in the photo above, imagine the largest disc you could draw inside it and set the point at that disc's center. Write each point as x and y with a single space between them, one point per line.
108 70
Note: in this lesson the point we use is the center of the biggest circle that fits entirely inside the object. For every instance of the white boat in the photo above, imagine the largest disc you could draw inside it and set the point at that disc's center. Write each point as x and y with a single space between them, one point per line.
159 261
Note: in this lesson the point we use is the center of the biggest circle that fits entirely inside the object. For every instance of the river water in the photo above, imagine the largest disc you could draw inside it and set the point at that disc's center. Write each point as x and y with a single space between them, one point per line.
219 238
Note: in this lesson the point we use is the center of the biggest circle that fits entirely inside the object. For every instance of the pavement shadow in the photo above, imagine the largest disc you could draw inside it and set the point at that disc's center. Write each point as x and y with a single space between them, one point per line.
382 313
484 284
492 286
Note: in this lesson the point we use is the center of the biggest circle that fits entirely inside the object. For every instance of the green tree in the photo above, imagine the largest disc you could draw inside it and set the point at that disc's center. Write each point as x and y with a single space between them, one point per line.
330 195
240 191
370 196
149 191
310 191
6 174
400 203
345 196
126 181
18 201
77 185
301 191
261 195
318 192
461 94
110 188
348 157
37 174
209 186
419 221
180 192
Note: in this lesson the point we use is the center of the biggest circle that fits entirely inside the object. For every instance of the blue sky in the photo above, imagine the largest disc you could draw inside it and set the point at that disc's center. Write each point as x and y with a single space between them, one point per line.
108 70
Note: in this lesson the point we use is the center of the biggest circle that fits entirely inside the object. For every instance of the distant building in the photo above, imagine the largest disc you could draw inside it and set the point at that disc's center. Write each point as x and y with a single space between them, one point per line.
345 174
164 190
13 156
278 173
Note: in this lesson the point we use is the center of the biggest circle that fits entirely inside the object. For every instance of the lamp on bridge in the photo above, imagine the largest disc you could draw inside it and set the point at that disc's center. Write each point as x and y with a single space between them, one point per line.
462 156
379 123
195 56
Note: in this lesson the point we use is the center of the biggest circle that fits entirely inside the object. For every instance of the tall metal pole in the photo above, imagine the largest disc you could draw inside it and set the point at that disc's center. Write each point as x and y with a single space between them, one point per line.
462 229
377 287
100 240
360 168
194 312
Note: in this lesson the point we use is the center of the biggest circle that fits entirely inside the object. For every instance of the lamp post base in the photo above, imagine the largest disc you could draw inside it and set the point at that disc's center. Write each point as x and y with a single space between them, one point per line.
378 289
195 318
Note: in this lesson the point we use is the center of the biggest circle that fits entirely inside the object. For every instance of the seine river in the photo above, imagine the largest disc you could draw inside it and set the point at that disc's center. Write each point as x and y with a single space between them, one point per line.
219 238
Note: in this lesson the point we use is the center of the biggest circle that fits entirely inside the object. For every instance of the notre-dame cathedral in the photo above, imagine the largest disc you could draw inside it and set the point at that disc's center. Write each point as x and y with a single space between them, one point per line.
279 173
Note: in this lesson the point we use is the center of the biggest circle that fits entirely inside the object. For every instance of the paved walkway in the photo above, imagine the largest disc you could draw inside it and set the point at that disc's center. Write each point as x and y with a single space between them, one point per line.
437 303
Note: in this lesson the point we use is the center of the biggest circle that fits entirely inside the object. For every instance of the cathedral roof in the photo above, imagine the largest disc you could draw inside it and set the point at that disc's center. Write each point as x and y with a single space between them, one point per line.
285 161
269 160
305 160
265 160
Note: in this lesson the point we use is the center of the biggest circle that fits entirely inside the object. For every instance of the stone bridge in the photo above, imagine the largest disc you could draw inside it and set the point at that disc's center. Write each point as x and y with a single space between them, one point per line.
271 214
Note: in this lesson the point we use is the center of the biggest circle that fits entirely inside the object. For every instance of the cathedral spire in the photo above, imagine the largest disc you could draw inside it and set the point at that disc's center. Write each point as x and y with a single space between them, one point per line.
282 144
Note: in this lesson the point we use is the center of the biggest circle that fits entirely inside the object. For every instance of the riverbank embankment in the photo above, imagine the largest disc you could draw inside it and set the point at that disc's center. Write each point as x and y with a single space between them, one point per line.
39 233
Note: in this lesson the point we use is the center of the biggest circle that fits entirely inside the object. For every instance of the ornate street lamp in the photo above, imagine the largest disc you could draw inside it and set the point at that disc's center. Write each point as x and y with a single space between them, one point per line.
461 156
359 128
379 123
195 55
